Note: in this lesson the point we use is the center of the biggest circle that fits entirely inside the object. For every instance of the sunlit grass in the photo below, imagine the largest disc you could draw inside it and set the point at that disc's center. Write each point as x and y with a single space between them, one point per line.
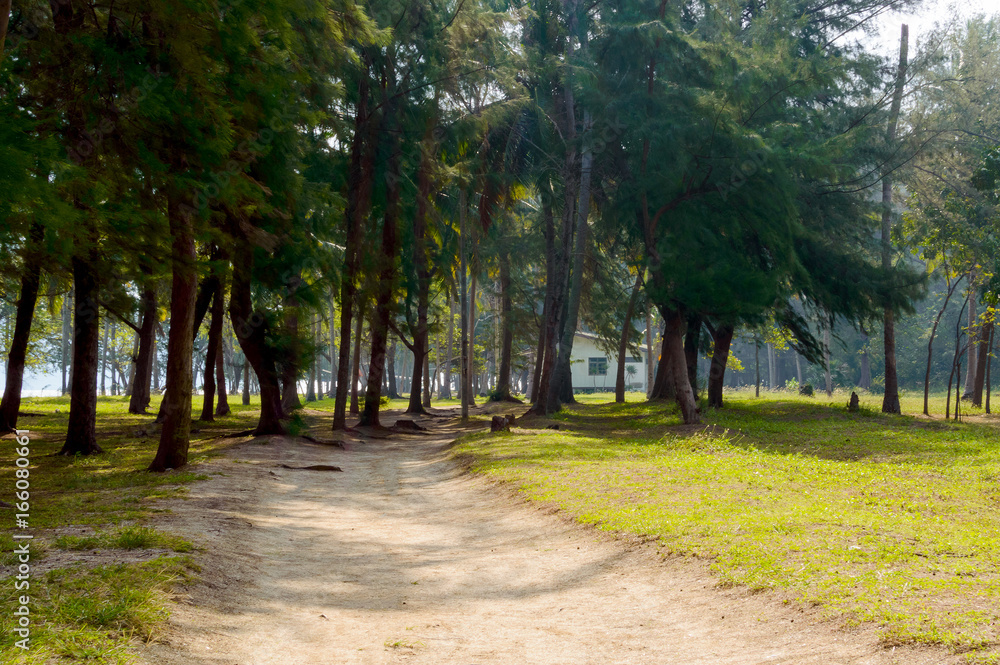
97 614
887 519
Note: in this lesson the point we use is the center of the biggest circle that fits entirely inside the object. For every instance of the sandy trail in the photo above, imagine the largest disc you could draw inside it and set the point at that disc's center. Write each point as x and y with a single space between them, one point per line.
403 558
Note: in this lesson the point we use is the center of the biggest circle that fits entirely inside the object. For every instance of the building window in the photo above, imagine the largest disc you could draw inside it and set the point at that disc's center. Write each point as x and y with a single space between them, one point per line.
634 359
597 367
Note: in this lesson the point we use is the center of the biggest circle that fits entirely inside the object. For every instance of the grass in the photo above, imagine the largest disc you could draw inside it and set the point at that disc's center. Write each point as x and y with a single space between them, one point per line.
98 614
884 519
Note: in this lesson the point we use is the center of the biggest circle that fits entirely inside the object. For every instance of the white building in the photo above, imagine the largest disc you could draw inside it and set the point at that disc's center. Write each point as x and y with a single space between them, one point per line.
595 371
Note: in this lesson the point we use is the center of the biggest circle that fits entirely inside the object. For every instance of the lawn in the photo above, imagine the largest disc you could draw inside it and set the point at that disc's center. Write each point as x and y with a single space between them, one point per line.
96 613
884 519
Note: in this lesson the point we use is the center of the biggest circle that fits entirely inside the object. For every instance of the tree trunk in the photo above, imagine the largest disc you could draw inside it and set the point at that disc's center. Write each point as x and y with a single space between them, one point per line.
974 336
139 401
222 409
502 391
30 280
446 385
104 358
673 346
555 281
756 361
463 213
175 436
663 385
649 350
865 380
989 365
360 179
333 352
470 374
692 340
722 339
427 381
562 390
81 433
67 310
985 331
623 342
290 362
356 362
890 401
770 366
384 293
246 377
213 353
420 334
313 359
393 392
251 333
826 358
930 343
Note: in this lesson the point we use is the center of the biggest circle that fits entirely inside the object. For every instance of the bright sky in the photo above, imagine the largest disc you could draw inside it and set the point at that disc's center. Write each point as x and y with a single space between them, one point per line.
926 16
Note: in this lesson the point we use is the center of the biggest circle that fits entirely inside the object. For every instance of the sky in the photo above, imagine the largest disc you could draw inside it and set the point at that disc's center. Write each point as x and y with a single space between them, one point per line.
920 22
923 19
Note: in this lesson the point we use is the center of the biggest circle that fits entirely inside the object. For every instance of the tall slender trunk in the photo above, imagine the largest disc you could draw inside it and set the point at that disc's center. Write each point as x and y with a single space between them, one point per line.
692 340
104 358
470 374
722 338
356 362
359 191
222 408
826 359
290 365
213 353
333 352
67 310
448 356
384 292
770 366
427 381
252 332
973 363
139 401
553 322
30 280
650 367
246 379
930 343
985 331
543 355
391 369
81 432
989 365
865 380
175 436
423 272
756 360
507 330
623 341
463 213
890 401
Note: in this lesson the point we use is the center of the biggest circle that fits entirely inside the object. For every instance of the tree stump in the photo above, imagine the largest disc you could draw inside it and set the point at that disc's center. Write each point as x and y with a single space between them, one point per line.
499 424
854 405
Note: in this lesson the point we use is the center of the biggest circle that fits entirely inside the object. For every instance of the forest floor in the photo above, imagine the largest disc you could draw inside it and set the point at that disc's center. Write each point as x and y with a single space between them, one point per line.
405 557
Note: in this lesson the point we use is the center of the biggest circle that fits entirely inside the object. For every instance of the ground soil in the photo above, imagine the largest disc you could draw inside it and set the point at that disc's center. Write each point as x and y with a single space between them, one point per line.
404 557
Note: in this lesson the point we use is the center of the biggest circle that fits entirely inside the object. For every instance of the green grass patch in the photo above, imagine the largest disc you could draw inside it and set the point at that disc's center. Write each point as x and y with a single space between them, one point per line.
884 519
96 614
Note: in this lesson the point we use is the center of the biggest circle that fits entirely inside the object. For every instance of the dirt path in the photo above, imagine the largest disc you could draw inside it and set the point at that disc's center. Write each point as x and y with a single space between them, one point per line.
403 558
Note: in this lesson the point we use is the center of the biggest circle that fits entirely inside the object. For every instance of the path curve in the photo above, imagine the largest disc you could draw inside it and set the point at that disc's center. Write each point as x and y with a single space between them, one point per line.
404 558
